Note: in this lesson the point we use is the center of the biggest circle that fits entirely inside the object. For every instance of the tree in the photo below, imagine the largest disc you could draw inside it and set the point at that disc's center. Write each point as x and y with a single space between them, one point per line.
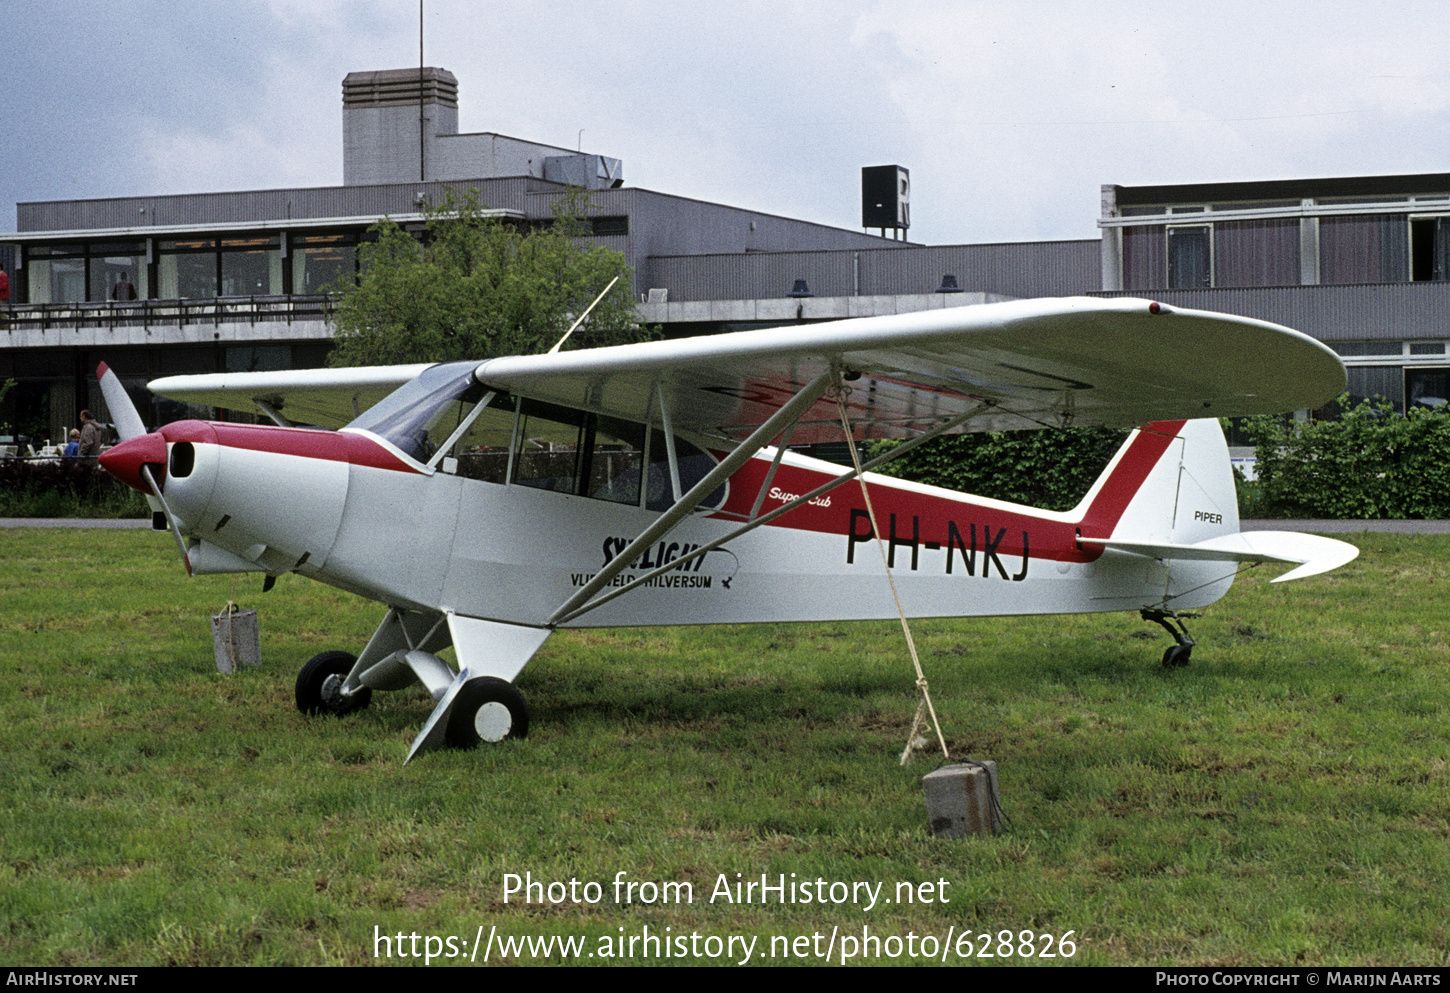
476 288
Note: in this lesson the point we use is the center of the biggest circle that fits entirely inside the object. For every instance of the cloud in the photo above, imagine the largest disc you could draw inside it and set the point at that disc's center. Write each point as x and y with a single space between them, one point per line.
1010 117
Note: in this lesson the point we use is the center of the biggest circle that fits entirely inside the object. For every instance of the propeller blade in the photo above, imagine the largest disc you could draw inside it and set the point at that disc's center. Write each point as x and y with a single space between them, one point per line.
170 517
123 411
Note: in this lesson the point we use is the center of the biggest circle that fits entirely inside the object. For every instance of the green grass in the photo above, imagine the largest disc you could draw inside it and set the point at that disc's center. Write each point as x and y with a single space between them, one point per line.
1284 799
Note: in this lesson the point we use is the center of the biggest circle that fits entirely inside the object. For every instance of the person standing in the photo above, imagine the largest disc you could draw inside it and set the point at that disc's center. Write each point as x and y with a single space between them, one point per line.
124 290
90 439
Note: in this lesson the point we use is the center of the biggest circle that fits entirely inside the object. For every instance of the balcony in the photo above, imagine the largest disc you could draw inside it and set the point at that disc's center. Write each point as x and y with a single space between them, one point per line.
140 322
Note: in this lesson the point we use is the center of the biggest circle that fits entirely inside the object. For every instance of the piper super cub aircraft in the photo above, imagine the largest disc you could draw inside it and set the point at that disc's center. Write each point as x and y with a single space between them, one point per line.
488 503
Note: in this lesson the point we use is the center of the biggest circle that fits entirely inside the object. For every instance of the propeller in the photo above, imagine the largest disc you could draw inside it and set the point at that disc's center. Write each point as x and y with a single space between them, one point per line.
126 416
128 422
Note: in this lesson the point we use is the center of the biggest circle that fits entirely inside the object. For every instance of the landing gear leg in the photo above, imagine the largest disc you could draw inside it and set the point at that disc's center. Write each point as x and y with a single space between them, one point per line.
1177 654
480 704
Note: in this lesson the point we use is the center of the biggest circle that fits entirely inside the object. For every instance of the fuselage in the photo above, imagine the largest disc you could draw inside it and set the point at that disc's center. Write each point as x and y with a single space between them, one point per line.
353 510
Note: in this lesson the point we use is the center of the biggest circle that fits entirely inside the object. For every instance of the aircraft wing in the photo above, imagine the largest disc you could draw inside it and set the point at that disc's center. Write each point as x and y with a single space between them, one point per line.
327 398
1027 364
1035 363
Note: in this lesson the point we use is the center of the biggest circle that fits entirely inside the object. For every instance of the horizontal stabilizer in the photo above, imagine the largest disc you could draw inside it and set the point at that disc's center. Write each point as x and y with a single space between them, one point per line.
1314 553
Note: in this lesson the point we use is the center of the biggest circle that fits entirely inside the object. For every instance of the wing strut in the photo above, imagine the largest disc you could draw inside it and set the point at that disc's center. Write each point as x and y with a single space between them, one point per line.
669 430
273 413
769 477
777 422
568 612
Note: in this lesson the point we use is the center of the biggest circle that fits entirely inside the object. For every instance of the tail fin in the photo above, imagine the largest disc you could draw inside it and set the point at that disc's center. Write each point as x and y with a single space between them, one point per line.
1169 495
1170 482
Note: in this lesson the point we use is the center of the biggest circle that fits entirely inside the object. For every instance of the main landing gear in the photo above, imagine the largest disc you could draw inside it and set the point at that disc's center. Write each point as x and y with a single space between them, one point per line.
1176 654
474 702
483 709
487 710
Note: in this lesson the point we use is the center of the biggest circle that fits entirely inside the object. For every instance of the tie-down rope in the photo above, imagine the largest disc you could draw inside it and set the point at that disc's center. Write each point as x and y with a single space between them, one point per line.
924 707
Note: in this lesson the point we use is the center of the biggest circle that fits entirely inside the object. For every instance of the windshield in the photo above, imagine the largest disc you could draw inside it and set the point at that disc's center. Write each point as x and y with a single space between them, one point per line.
419 417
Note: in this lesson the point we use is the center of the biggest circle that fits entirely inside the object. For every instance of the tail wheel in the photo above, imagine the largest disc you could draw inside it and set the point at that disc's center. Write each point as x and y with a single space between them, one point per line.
319 685
1176 656
487 710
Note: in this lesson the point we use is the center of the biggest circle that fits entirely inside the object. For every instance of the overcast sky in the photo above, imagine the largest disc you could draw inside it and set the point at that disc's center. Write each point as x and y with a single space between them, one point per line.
1010 116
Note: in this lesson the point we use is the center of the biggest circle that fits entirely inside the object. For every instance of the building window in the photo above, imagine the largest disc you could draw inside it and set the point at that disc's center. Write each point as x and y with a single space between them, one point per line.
1429 248
198 268
186 270
1367 382
1354 348
111 262
1364 248
1190 257
1429 388
602 226
70 273
320 260
258 358
57 280
251 266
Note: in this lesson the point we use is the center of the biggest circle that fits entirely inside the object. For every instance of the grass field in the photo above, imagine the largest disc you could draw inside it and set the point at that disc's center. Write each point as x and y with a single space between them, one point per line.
1284 799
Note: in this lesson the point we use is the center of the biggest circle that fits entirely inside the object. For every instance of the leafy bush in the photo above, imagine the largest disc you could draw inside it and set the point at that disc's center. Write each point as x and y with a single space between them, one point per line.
1047 469
64 488
1371 463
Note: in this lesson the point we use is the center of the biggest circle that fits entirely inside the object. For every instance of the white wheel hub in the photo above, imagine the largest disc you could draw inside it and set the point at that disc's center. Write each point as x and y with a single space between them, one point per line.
493 721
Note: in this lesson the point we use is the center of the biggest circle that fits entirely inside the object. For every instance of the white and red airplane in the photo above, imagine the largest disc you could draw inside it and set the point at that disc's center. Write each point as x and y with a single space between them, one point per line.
488 503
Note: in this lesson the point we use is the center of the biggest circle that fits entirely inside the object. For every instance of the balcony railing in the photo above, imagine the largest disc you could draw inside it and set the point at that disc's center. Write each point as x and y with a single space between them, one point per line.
168 313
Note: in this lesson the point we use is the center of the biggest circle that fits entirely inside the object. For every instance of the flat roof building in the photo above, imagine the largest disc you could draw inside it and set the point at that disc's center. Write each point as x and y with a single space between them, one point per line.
232 281
1362 263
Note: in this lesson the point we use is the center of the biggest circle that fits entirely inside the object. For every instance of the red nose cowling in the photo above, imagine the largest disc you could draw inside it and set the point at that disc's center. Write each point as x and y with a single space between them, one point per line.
126 459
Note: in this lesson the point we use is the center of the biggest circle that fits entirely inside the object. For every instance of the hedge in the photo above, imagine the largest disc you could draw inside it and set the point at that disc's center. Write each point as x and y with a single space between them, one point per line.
1370 463
1051 470
64 488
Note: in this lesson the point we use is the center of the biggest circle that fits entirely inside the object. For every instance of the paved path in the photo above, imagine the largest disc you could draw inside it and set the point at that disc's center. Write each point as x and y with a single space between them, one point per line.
1350 527
72 522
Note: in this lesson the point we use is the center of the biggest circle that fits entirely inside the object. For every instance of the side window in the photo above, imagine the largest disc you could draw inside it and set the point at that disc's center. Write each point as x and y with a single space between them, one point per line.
616 457
551 441
695 464
569 451
603 458
482 451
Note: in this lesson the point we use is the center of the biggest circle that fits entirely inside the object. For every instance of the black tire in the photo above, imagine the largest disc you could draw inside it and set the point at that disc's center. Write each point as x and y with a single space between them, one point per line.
1176 656
487 710
312 685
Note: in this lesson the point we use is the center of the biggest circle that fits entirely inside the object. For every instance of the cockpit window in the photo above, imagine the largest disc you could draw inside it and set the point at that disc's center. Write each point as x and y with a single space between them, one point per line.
548 447
482 450
570 451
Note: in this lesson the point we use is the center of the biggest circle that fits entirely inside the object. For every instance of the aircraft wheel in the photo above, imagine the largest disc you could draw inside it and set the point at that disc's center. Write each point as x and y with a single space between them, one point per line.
487 710
1176 656
320 681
